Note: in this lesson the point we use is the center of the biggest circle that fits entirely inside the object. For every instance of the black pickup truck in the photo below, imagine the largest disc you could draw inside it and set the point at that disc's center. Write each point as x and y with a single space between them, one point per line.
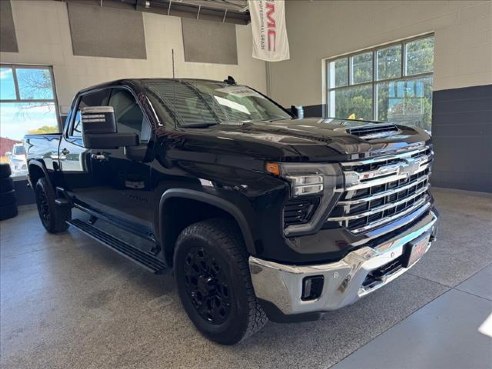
259 214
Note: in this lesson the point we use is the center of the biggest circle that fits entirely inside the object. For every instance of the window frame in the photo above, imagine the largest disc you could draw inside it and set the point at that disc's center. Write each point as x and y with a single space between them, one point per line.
374 81
69 129
18 99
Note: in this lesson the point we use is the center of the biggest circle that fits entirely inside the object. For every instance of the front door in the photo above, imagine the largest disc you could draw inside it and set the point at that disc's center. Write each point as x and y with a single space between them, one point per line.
73 158
123 179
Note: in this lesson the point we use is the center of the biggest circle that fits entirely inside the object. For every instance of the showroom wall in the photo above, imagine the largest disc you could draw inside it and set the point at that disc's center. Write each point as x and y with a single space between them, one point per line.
43 38
462 113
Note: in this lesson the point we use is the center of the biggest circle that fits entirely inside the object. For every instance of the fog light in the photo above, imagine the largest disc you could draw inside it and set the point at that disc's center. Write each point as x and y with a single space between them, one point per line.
312 287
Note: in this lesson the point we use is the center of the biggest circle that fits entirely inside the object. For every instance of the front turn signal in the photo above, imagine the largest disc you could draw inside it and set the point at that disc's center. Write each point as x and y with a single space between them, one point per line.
273 168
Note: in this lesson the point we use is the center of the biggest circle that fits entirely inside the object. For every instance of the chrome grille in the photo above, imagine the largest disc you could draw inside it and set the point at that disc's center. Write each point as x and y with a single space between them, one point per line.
381 190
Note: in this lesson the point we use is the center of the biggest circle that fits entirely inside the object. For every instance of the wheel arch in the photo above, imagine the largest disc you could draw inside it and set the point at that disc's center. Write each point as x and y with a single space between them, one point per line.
37 169
173 217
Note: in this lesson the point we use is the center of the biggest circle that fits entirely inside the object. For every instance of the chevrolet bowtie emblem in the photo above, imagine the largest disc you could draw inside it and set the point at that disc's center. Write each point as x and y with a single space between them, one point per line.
410 167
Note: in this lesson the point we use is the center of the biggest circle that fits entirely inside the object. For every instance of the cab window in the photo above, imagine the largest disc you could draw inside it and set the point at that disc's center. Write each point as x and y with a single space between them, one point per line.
128 114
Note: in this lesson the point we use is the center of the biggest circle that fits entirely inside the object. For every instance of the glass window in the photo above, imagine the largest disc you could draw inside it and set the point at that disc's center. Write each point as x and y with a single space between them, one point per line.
339 72
77 125
406 101
361 68
352 102
34 84
389 62
27 106
7 84
192 103
384 94
420 56
127 113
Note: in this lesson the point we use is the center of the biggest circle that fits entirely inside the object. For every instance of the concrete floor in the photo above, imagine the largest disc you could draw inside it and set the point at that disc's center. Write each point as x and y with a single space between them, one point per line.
68 302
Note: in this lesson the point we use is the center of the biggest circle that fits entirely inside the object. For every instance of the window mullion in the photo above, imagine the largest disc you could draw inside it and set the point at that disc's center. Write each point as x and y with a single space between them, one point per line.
374 90
349 72
403 60
16 85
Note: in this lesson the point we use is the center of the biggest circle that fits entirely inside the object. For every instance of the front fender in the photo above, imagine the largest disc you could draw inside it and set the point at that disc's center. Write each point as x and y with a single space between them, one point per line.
212 200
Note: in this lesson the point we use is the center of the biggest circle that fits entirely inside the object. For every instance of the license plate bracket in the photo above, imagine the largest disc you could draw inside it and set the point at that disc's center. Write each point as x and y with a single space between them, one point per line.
415 249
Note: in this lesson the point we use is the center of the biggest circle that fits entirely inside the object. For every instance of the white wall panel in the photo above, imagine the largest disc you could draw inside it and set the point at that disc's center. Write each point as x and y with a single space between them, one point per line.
48 42
324 29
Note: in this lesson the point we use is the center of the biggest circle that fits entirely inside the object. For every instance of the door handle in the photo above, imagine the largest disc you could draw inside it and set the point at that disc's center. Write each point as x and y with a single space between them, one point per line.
65 151
98 156
58 157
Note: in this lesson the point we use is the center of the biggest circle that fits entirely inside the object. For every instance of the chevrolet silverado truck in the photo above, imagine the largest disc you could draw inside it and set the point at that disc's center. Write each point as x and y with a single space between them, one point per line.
259 214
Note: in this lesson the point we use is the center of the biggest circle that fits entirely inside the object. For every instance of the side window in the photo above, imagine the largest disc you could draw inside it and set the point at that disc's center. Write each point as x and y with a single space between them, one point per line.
128 115
97 98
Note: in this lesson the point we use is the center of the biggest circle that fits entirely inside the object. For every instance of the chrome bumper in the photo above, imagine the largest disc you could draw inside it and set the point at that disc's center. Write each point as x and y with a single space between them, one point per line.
281 284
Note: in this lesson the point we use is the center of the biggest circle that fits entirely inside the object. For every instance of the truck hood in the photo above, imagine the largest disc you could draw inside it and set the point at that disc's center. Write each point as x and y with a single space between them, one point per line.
305 139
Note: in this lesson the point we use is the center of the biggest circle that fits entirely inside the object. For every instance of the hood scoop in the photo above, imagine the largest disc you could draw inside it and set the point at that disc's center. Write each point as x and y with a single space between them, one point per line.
372 131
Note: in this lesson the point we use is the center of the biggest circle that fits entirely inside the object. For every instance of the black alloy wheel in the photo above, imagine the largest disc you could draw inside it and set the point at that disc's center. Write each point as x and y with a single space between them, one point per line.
43 206
207 286
214 282
52 218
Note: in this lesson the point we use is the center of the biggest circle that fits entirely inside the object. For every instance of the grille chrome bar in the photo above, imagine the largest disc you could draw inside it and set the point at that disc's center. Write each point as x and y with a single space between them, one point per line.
385 193
382 180
421 203
380 208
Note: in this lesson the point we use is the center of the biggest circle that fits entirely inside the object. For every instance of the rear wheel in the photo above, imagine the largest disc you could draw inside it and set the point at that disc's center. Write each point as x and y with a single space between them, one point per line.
214 284
51 217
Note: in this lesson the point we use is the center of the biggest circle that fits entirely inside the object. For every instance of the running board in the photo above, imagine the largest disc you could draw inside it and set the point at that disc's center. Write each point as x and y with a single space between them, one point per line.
147 261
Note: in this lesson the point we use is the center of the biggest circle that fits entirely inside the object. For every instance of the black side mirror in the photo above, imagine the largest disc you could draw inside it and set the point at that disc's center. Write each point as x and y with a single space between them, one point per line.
99 130
297 111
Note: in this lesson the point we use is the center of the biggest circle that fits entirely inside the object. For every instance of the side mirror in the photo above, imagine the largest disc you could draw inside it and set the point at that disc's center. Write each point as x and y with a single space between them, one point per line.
297 111
8 154
99 130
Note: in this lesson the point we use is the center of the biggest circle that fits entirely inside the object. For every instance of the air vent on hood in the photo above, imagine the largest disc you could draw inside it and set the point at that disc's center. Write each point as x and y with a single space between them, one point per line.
374 131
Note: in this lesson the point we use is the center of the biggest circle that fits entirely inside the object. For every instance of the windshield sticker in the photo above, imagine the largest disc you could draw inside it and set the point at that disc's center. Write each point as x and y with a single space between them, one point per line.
233 105
239 91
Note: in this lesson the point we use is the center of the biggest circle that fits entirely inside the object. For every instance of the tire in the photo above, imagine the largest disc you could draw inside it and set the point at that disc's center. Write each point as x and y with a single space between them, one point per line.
8 211
50 216
214 284
5 171
8 198
6 185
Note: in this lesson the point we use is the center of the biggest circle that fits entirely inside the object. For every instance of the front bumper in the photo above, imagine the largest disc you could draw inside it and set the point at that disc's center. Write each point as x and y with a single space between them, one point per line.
345 281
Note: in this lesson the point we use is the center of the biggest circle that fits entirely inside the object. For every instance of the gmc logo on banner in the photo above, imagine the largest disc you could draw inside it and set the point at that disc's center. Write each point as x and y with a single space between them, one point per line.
271 26
270 41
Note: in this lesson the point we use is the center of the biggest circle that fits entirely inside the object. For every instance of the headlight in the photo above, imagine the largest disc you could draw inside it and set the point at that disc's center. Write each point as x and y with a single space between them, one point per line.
310 180
306 184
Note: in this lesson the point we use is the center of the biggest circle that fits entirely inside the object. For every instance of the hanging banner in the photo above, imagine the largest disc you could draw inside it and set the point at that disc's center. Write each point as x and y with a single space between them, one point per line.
270 41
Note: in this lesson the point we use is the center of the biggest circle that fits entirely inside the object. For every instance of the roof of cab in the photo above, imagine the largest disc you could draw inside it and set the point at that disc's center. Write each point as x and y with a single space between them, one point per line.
138 82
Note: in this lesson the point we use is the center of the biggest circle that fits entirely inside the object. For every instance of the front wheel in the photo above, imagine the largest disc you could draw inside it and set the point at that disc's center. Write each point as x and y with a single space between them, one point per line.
214 284
52 218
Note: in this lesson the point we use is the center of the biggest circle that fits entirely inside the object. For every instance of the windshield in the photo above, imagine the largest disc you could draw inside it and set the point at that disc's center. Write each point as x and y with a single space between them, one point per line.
203 103
19 150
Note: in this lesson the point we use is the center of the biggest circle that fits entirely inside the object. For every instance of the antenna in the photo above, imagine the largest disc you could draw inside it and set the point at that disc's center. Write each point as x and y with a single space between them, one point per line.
172 55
